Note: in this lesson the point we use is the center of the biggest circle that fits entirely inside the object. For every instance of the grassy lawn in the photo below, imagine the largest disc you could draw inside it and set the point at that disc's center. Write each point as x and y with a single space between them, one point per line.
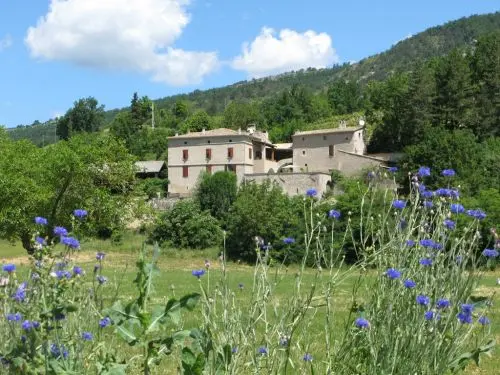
175 279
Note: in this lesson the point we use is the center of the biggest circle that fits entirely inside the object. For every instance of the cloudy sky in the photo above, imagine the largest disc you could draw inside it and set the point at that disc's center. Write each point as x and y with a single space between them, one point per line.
53 52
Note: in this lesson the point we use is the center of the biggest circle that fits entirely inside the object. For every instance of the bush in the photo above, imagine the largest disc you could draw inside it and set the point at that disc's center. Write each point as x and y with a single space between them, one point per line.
216 193
186 226
152 187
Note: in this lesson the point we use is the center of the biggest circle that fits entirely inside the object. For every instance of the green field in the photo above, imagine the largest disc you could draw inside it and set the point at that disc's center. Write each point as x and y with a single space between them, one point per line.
175 279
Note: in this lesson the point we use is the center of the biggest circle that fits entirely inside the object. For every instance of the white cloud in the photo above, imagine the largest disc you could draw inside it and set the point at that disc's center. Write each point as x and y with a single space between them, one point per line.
268 54
135 35
5 42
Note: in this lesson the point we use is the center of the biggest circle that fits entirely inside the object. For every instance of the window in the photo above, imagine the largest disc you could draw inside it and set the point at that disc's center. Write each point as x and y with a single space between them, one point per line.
185 142
208 153
324 137
258 155
185 172
209 169
250 153
209 141
331 150
303 152
230 152
185 154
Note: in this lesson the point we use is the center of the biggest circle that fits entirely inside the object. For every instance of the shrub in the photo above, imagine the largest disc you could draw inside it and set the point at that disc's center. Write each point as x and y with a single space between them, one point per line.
216 193
186 226
153 187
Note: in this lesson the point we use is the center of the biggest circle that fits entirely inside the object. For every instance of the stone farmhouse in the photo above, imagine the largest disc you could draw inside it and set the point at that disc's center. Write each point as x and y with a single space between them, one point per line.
305 163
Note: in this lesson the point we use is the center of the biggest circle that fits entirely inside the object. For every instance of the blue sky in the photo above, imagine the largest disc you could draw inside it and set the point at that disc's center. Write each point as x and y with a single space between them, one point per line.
53 52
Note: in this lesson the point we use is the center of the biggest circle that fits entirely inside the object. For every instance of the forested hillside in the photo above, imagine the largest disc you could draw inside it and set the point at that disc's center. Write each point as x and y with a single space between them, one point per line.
295 100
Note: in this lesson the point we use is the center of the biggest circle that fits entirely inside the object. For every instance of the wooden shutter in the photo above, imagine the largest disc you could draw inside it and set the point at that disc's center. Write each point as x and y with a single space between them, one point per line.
185 154
230 152
185 172
208 153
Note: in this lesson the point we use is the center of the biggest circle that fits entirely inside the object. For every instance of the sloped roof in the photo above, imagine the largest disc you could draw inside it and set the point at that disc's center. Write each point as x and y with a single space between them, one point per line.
329 131
150 166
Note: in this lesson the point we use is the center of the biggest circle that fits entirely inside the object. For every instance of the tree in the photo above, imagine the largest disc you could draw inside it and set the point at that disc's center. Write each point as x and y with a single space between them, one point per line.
91 172
85 116
180 110
197 122
140 111
216 193
241 115
259 210
344 97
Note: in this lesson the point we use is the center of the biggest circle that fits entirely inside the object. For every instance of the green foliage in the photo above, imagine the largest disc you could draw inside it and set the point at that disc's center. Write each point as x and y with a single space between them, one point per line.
197 122
344 97
216 193
145 325
259 210
86 171
241 114
458 150
85 116
153 187
186 226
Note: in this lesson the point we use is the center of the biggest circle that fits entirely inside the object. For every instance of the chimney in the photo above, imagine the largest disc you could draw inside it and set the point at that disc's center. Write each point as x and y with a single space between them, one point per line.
239 131
203 131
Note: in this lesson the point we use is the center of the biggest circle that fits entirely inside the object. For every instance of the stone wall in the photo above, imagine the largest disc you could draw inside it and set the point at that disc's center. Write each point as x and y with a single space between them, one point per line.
294 183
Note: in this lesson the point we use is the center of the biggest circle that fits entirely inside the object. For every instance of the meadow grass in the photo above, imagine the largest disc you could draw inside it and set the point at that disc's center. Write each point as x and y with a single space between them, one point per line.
174 279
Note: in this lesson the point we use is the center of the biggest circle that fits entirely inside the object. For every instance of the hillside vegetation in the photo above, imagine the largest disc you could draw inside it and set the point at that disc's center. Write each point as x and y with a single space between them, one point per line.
249 101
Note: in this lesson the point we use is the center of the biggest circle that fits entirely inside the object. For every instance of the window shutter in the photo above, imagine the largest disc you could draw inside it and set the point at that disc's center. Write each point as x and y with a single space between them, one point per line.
185 172
185 154
230 152
209 153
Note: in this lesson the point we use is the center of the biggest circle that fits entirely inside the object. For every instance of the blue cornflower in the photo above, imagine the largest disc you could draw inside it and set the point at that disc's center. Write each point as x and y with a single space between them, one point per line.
450 224
71 242
429 315
437 246
14 317
410 243
101 279
61 274
443 192
9 268
41 220
263 350
426 242
87 336
362 323
393 169
234 350
40 241
409 283
464 317
456 208
454 193
371 175
399 204
20 293
311 192
58 351
198 273
60 231
428 204
80 214
104 322
477 214
448 173
427 194
490 253
26 325
442 303
393 273
467 308
459 259
288 240
423 300
424 171
422 188
426 262
483 320
334 214
307 357
35 324
77 270
100 256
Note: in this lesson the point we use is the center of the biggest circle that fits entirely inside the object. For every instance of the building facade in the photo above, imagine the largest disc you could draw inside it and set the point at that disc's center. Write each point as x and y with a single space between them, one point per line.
309 159
210 151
